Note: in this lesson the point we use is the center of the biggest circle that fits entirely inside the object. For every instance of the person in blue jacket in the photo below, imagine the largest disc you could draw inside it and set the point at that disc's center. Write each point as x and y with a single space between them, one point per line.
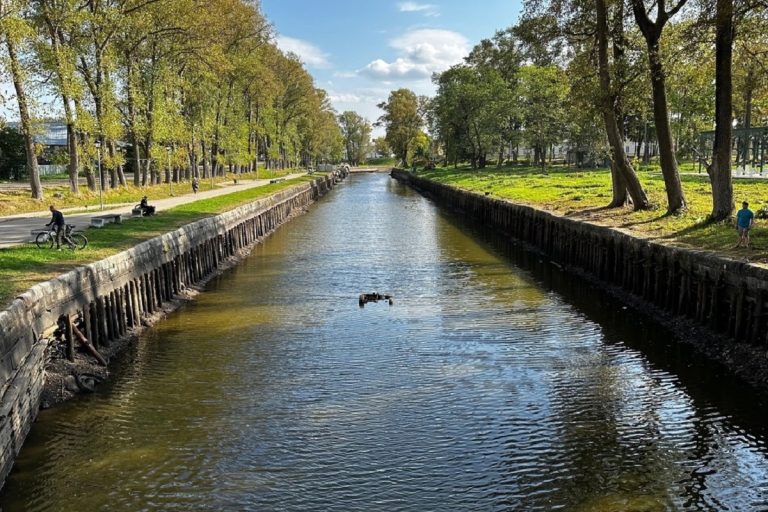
744 220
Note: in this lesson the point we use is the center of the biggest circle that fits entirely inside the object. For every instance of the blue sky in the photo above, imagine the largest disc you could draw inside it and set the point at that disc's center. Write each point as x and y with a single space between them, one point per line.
359 50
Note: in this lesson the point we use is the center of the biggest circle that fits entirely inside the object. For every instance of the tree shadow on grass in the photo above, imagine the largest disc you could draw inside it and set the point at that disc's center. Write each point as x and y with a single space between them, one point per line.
702 224
663 216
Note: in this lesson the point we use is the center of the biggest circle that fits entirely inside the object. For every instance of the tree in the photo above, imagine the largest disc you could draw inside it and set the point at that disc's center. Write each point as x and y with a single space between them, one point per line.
623 168
470 112
558 31
16 32
402 121
356 131
542 95
652 31
381 147
55 20
720 169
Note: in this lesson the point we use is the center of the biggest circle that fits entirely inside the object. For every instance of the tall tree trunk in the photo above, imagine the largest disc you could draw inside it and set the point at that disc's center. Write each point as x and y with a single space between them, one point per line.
652 34
26 123
206 165
118 168
720 169
618 184
73 167
636 192
675 196
748 92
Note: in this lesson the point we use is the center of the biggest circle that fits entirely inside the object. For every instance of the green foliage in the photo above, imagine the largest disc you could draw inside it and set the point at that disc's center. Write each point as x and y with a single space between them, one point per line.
205 79
472 112
356 132
403 121
12 156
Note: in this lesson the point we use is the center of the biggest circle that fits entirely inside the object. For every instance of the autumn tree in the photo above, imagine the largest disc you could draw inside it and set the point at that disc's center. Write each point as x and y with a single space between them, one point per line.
402 120
16 33
356 131
652 31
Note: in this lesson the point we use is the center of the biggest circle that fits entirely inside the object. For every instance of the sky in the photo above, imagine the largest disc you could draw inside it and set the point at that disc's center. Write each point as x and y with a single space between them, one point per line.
360 50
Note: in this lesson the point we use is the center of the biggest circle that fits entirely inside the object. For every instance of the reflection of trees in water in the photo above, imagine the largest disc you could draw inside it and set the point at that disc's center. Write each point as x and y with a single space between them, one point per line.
470 265
608 408
629 436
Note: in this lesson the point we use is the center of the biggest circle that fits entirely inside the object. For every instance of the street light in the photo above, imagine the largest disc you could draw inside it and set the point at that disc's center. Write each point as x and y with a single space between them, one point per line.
170 172
98 153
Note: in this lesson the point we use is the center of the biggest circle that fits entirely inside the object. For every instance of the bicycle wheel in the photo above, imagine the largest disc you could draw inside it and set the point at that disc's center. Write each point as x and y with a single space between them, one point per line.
44 240
80 241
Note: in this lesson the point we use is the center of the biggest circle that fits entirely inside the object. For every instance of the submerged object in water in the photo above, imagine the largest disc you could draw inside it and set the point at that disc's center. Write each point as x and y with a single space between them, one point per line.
374 297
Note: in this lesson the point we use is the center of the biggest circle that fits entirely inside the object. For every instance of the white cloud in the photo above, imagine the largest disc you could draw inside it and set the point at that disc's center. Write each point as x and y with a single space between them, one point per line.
422 52
344 97
426 9
310 54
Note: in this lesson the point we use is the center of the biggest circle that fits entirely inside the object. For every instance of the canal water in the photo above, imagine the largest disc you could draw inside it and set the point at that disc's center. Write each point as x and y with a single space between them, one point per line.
494 382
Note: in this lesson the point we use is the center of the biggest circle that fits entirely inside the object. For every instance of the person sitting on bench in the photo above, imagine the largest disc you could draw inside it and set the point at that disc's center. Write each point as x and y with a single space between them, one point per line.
146 209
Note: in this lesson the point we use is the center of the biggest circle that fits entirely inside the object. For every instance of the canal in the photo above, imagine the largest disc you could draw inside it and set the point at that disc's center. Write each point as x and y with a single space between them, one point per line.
494 382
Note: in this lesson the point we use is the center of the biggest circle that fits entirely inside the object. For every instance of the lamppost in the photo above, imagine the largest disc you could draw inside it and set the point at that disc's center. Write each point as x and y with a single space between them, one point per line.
98 156
170 171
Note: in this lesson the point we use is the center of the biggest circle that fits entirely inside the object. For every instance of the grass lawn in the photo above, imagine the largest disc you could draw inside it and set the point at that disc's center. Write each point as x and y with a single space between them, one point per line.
24 266
14 202
583 194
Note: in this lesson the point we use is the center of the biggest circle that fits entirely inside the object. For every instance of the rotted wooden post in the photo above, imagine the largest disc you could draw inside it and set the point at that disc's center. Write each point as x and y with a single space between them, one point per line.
738 321
69 337
757 316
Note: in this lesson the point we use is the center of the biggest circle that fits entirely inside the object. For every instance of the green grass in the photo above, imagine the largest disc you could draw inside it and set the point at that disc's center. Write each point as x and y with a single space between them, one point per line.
23 266
379 162
583 194
16 202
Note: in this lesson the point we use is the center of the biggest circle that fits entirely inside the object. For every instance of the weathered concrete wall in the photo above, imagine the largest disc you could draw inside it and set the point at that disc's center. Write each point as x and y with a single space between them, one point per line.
113 294
723 295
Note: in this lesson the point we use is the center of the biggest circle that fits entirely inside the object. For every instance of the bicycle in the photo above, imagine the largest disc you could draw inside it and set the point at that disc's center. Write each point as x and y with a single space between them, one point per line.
74 240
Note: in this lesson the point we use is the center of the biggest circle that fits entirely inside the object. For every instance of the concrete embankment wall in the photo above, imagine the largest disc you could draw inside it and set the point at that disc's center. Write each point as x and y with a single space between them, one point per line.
723 295
112 296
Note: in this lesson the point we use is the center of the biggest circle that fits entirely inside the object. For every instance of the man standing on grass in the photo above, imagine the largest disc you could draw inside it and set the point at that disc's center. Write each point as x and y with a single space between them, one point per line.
744 219
57 220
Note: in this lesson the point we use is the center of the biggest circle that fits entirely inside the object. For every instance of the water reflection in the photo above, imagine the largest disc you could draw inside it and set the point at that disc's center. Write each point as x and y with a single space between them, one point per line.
495 382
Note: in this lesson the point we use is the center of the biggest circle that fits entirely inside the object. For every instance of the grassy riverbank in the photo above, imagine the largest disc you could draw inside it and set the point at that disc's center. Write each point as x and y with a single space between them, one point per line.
24 266
14 202
583 194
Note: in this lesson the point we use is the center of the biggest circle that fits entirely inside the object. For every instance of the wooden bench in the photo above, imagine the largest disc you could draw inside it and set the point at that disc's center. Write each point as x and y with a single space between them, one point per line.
101 220
277 180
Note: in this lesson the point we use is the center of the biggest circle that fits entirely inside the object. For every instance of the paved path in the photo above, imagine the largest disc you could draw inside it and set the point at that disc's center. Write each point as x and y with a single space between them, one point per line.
16 229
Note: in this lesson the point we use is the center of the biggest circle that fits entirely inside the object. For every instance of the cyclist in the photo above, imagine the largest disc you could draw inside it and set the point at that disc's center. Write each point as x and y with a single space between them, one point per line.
57 220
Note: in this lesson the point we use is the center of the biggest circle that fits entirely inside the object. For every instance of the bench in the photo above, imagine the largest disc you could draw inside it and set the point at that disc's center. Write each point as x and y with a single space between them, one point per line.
98 222
137 212
277 180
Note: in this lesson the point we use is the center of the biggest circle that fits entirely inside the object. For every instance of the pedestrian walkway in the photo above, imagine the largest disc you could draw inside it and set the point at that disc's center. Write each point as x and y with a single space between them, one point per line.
16 229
